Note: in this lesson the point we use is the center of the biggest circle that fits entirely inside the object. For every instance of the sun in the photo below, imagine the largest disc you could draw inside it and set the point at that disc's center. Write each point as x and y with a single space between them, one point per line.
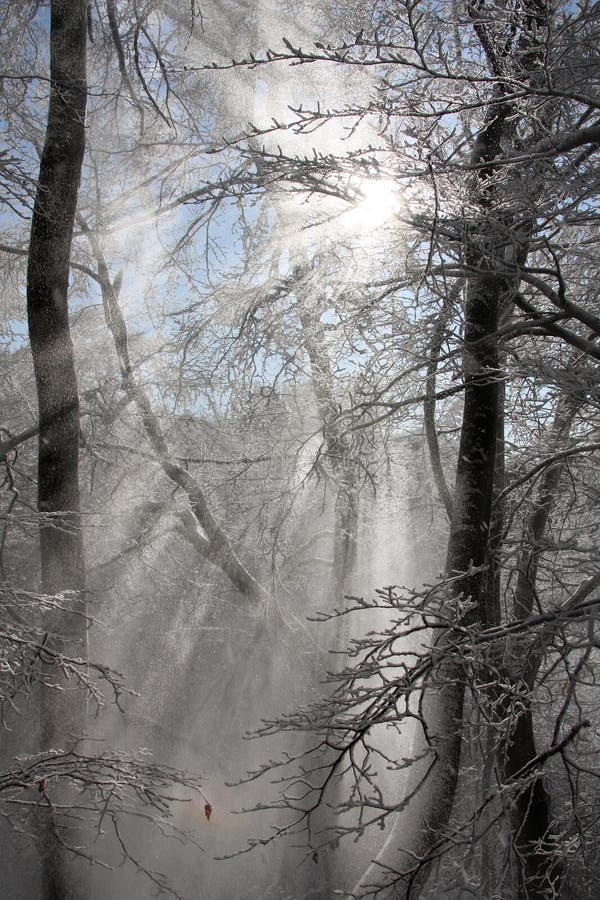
377 203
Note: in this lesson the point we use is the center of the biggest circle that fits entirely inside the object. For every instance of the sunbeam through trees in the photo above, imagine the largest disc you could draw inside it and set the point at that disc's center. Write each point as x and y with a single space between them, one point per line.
299 439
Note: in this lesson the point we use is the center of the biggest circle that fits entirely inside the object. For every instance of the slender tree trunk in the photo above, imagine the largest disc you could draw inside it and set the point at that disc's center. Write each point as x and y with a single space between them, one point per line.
61 547
467 555
538 870
412 852
429 404
495 247
497 250
215 544
493 587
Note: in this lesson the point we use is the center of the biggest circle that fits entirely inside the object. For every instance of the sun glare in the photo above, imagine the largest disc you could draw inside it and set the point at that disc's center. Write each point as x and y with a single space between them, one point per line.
377 203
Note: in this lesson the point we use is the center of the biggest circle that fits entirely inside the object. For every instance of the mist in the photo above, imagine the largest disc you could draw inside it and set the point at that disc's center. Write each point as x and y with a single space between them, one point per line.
297 538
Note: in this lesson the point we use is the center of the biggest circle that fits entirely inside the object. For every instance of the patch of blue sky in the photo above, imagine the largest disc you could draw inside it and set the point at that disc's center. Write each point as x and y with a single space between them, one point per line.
14 335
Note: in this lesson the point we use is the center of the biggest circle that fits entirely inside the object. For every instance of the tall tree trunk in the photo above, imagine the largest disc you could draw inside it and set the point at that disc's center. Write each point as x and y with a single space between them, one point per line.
467 555
538 870
412 852
468 542
495 246
61 547
496 249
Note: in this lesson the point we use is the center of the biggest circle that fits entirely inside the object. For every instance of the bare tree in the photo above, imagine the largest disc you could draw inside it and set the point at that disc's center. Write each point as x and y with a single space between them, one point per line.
493 245
61 545
473 695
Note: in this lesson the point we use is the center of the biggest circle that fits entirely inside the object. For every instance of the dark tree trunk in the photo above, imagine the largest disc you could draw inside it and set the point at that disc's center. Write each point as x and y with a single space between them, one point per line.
467 553
429 404
433 778
489 242
469 532
538 869
61 548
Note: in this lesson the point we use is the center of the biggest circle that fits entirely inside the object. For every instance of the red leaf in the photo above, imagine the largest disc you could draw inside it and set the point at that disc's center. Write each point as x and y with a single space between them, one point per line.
207 811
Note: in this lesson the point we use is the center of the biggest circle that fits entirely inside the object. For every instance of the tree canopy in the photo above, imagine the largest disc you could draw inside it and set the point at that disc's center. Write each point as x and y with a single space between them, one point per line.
300 344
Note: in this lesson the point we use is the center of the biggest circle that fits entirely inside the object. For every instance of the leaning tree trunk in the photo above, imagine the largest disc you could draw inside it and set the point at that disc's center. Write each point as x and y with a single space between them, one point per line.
61 548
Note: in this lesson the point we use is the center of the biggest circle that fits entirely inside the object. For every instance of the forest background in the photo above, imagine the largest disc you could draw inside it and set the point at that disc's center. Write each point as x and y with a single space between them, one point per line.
299 354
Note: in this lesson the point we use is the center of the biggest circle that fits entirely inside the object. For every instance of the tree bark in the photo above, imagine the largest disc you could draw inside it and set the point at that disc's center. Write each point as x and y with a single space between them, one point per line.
538 870
495 248
61 548
467 556
429 404
495 251
433 776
